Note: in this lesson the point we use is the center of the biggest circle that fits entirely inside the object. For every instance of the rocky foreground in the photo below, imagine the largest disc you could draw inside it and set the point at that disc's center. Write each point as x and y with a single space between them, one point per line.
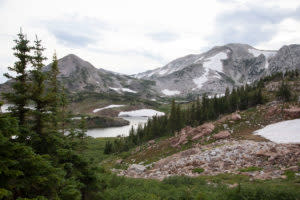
270 160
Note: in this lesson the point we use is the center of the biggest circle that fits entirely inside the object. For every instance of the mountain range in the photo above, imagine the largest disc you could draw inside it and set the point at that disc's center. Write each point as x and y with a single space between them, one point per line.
225 66
210 72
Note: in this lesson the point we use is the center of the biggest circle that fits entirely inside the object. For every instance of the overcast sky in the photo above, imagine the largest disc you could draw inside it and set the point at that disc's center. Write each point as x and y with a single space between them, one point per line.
131 36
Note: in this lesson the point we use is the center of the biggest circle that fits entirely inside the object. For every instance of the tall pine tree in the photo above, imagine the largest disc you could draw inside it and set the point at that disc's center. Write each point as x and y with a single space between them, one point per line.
20 95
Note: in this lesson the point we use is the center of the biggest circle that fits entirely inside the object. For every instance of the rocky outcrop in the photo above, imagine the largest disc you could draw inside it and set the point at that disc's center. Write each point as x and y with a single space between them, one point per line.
193 133
235 117
221 135
270 160
231 118
292 112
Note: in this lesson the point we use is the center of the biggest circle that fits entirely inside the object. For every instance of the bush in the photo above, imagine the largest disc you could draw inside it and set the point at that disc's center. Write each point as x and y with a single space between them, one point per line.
198 170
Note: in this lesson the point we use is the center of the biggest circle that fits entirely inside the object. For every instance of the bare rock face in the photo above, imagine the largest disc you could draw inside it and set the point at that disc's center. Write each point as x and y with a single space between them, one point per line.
292 112
221 135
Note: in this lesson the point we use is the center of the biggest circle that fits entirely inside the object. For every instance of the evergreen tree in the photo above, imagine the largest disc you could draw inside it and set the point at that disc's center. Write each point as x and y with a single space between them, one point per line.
284 92
233 100
20 95
38 95
54 91
179 118
198 110
172 119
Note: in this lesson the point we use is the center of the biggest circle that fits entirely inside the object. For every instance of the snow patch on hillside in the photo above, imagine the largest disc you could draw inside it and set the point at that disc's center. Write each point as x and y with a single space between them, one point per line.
214 62
201 80
170 92
107 107
123 90
141 113
282 132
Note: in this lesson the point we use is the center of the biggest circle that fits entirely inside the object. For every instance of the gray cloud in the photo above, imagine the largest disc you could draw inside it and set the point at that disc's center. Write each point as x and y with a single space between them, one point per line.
130 52
163 36
72 40
249 26
76 32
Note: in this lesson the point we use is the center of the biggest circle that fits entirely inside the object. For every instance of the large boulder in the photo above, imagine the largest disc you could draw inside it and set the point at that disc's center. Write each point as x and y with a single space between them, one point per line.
182 140
221 135
235 117
203 130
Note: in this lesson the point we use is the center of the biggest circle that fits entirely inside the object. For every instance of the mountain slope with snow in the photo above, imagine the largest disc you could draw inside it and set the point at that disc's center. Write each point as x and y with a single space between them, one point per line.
225 66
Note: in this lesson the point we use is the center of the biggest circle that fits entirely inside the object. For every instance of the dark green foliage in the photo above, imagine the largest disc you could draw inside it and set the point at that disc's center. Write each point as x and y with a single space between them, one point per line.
20 96
108 147
182 187
37 160
54 94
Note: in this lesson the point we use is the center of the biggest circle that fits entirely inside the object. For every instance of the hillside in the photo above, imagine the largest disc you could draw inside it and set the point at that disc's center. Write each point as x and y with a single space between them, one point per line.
225 145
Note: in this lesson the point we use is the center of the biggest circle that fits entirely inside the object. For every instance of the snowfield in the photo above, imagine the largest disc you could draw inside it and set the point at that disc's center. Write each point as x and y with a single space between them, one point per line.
107 107
215 63
170 92
141 113
201 80
282 132
123 90
211 63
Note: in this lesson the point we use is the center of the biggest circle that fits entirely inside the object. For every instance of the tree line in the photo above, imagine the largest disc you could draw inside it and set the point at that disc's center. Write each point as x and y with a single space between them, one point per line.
39 149
205 109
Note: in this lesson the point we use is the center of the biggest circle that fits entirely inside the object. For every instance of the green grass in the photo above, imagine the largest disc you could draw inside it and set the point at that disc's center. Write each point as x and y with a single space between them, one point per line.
95 149
183 187
250 169
198 170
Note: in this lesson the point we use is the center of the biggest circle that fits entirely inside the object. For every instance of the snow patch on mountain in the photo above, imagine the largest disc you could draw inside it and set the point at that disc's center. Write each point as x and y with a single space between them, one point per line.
201 80
170 92
123 90
107 107
141 113
215 62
